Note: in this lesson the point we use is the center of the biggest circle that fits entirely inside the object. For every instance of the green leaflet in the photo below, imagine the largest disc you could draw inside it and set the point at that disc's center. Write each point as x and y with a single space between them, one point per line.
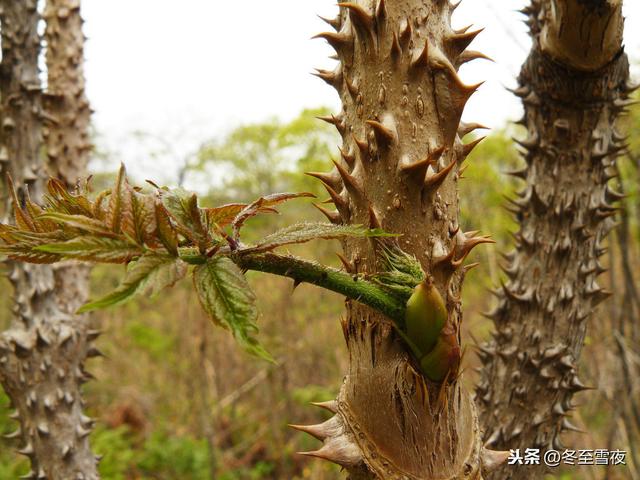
93 249
228 299
146 276
305 232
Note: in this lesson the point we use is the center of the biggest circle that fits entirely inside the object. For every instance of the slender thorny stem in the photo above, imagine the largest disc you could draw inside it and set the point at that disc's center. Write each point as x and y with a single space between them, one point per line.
352 286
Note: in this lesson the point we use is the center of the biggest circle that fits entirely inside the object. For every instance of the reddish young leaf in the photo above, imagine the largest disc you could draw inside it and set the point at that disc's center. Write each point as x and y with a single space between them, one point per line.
64 201
97 209
166 233
139 218
78 222
223 215
262 204
119 195
22 217
182 207
94 249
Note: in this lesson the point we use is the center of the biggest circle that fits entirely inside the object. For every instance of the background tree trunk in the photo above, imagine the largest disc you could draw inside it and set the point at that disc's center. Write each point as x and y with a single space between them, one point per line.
574 87
401 159
68 113
42 354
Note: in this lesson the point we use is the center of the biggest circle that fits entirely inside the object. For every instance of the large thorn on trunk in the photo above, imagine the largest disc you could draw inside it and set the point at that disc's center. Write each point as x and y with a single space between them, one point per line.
330 428
330 405
433 182
362 19
492 459
340 451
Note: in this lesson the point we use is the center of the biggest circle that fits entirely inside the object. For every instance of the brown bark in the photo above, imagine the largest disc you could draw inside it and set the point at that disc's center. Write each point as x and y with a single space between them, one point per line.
582 34
573 89
401 159
42 354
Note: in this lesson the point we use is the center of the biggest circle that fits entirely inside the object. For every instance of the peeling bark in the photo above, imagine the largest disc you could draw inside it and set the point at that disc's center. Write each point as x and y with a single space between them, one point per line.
42 354
401 157
573 87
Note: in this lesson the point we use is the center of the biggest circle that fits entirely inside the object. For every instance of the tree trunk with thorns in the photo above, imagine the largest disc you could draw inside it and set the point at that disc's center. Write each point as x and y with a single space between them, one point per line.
42 354
402 155
573 87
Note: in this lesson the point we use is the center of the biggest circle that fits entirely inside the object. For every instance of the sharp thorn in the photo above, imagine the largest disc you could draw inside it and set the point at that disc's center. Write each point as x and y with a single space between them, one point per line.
330 405
332 216
434 181
384 135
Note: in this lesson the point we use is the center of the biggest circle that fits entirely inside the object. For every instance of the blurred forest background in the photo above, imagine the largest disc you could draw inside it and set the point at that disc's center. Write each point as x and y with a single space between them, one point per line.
176 399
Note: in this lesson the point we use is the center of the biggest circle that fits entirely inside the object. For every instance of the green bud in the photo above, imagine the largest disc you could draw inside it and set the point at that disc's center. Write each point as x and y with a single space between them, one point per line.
444 358
425 316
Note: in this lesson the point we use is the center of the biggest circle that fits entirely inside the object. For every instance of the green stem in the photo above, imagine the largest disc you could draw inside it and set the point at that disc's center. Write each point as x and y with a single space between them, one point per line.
351 286
337 281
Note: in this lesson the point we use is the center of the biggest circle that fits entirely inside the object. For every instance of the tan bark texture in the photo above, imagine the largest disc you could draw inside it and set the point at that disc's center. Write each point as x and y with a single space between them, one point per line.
42 354
573 89
402 156
66 129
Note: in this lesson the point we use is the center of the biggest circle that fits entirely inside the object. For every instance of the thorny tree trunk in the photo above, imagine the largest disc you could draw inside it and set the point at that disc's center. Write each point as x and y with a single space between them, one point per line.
624 325
573 86
68 112
42 354
401 159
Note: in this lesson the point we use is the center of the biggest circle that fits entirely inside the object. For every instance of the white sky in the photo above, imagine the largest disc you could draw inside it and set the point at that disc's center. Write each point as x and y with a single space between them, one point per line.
185 71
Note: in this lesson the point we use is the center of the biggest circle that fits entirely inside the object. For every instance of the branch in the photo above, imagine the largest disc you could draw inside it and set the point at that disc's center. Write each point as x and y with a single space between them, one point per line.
303 271
157 234
351 286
